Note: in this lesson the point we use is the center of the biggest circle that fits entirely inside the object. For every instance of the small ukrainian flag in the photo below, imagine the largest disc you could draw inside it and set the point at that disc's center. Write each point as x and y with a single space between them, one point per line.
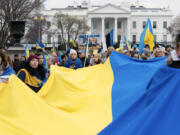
147 37
72 41
26 52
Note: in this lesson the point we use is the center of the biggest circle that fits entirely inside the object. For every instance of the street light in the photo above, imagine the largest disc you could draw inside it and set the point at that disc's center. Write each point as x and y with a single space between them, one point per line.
39 20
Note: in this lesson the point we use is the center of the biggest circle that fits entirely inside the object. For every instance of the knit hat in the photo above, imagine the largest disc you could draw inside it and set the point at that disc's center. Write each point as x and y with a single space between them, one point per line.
32 56
73 51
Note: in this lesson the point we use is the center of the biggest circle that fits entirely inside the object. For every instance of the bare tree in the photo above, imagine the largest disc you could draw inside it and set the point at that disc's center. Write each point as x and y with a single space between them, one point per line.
70 25
34 27
81 28
14 10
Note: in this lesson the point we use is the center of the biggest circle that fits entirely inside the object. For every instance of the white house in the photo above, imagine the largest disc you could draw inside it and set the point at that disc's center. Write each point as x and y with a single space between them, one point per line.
125 20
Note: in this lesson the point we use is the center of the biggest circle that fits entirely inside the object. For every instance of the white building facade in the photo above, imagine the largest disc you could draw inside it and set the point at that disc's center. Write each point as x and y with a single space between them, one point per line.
125 20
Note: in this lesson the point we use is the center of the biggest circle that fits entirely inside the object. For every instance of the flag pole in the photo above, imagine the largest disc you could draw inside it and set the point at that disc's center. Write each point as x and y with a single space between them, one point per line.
86 50
85 62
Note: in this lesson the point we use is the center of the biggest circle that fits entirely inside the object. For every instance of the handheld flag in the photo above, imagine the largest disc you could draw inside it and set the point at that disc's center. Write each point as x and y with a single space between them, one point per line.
86 49
127 44
45 61
59 57
121 44
147 37
72 41
26 53
111 37
39 44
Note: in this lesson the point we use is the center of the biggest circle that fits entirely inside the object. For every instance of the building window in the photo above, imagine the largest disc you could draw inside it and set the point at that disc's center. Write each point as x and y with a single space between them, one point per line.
94 24
119 38
107 25
48 39
134 38
119 25
165 38
165 25
154 24
134 25
144 24
155 38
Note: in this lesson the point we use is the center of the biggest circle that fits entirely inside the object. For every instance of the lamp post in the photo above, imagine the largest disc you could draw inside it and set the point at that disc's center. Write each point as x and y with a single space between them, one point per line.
39 20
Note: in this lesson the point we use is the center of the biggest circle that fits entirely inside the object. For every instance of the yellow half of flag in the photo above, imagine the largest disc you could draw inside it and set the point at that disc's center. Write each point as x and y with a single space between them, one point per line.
149 39
80 100
22 112
64 106
72 41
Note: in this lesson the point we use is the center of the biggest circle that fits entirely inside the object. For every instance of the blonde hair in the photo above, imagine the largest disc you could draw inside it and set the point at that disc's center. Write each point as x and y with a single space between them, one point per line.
156 50
53 59
97 55
109 51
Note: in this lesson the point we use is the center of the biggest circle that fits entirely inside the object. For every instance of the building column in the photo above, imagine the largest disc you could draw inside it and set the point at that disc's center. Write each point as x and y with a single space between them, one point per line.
128 29
90 25
103 34
115 29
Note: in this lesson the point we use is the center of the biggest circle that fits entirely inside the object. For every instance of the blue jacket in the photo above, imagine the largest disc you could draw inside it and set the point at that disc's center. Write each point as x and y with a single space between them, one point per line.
77 63
8 71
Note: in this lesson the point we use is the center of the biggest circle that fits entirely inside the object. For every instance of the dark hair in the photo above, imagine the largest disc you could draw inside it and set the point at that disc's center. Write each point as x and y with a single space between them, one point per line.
32 71
16 55
39 53
146 46
39 50
24 56
4 60
168 46
2 48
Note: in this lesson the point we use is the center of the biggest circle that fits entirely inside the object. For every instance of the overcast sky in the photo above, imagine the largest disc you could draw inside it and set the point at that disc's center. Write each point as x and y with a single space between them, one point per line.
173 4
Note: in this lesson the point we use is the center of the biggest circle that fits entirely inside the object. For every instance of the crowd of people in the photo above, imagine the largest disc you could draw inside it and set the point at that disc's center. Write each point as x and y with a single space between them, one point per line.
34 71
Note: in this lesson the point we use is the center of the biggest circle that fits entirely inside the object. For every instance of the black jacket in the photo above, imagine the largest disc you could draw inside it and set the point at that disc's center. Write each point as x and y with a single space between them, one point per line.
16 65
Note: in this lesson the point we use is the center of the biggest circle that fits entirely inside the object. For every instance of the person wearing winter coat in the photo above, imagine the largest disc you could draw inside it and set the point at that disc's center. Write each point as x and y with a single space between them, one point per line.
73 61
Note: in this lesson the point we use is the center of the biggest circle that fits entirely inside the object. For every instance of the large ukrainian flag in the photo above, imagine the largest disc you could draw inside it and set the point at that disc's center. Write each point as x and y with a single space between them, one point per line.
85 101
